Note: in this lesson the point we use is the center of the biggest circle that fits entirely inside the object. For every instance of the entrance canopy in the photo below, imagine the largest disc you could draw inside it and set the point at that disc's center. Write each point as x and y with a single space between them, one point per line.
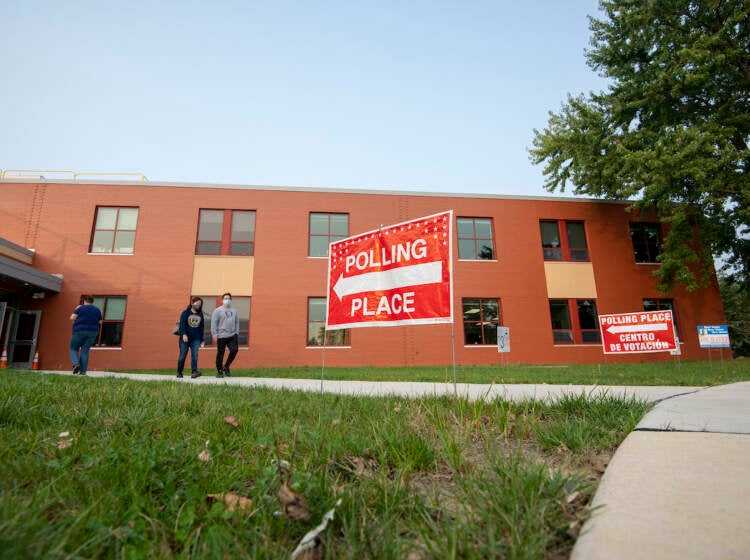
17 273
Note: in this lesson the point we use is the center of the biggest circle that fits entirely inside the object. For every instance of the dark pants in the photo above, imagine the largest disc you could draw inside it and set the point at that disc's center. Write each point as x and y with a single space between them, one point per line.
81 341
194 346
221 344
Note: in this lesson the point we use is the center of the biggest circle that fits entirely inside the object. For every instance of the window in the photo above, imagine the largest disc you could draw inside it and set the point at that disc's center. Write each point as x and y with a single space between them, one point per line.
481 318
571 246
646 238
475 239
114 230
241 304
325 229
113 320
316 326
226 232
579 327
661 305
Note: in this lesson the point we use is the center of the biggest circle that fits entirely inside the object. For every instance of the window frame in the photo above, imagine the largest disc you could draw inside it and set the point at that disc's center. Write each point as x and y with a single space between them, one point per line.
115 231
244 338
565 250
227 242
650 247
106 322
329 235
577 333
345 334
480 321
476 239
663 304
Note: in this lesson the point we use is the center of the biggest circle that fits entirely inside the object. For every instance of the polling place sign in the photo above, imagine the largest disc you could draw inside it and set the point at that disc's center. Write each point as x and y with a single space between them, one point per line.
643 331
395 275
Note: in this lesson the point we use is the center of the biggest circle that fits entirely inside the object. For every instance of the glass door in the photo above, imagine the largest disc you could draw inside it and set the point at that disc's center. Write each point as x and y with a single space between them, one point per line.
3 322
24 328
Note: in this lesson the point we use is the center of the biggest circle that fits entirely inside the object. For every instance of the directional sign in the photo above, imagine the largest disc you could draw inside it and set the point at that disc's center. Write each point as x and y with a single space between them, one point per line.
713 336
395 275
643 331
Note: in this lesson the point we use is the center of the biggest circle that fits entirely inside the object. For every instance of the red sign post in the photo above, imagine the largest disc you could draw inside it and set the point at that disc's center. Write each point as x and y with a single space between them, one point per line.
395 275
644 331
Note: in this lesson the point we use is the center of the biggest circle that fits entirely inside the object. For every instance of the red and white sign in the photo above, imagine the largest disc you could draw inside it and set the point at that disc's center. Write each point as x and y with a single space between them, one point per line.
395 275
644 331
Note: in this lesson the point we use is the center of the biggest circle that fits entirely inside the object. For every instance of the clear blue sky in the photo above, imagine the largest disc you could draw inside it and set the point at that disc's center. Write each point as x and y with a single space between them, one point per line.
409 95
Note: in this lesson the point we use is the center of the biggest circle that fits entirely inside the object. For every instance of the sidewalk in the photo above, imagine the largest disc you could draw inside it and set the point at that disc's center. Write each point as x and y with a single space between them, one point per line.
516 392
677 488
679 485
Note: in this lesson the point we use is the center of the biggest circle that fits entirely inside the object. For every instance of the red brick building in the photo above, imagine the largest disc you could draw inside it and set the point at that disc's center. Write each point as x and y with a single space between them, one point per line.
544 267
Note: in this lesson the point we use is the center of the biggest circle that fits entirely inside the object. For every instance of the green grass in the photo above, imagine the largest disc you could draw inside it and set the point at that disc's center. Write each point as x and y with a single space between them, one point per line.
682 373
418 478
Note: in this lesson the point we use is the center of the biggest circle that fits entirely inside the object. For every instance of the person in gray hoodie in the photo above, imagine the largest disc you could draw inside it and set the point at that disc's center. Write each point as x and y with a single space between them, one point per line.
225 328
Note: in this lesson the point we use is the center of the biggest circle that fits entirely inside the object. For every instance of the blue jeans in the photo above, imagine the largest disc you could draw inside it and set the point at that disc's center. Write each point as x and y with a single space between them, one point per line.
81 341
194 345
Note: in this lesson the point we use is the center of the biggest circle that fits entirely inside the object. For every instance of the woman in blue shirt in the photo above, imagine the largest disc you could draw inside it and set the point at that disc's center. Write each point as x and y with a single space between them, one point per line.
86 322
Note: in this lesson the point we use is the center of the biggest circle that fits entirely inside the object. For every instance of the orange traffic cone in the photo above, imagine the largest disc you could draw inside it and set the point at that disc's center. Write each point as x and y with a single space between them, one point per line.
35 363
4 359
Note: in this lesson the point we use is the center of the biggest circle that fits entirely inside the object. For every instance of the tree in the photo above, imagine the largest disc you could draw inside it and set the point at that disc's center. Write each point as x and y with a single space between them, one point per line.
670 133
737 308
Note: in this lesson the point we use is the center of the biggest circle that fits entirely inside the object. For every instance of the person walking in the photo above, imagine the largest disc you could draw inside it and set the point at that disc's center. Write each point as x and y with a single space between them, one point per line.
225 327
87 318
191 336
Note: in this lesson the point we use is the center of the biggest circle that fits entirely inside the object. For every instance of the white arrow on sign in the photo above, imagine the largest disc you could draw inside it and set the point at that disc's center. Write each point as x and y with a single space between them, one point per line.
638 328
413 275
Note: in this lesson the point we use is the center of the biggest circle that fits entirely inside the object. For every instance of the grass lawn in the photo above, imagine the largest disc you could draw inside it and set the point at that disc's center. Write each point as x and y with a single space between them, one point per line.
680 373
150 470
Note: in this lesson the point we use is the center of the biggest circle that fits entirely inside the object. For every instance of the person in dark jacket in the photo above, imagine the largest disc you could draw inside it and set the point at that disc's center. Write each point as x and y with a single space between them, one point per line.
191 336
87 318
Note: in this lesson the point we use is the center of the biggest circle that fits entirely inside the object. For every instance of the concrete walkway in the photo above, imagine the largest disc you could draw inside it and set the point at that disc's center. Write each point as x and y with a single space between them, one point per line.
516 392
679 485
677 488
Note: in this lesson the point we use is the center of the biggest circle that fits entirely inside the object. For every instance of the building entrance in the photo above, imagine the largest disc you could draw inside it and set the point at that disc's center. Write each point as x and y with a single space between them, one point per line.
19 330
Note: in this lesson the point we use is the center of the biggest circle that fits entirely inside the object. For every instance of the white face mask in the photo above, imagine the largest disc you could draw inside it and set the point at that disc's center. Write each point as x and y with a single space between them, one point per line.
228 303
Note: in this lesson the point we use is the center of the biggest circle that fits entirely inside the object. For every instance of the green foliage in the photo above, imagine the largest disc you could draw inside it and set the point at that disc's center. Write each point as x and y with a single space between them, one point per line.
671 132
736 299
579 424
433 477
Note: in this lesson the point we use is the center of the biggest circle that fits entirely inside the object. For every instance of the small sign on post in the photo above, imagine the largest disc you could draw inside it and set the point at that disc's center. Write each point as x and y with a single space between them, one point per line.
713 336
503 339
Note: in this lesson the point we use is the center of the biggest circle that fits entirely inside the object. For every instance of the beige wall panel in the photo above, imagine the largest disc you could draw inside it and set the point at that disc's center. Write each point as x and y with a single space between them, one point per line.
216 275
570 280
16 255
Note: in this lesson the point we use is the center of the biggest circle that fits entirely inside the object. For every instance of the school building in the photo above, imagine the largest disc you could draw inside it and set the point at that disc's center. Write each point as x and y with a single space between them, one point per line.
545 267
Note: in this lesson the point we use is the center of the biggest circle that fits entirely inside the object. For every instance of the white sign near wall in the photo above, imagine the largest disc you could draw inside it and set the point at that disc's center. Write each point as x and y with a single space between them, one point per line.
503 339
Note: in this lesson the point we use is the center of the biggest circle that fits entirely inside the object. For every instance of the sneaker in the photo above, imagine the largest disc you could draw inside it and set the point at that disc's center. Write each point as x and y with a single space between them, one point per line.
82 373
179 376
227 373
76 369
195 374
219 372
